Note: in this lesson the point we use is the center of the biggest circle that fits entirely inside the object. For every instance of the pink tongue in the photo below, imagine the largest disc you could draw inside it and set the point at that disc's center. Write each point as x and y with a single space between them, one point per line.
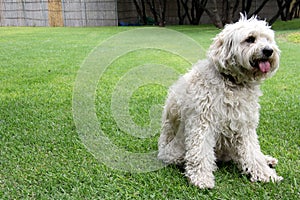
264 66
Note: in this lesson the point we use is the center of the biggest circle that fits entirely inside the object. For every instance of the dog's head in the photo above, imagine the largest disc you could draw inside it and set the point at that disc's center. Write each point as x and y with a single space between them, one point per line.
245 50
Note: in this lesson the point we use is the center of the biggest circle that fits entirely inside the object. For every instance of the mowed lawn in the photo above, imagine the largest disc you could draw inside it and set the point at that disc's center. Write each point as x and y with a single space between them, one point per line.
43 157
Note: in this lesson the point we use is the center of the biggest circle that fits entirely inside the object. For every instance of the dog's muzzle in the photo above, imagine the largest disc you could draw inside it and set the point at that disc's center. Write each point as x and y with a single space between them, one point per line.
263 64
267 52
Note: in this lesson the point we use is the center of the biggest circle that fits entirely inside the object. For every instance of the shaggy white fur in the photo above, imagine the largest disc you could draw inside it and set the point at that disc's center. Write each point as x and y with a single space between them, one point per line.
212 112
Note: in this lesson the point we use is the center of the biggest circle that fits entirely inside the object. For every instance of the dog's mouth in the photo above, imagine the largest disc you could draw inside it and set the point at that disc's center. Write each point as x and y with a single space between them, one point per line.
263 65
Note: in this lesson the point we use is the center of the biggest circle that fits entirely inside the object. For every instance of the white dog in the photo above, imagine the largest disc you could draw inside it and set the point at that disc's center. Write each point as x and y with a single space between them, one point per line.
212 112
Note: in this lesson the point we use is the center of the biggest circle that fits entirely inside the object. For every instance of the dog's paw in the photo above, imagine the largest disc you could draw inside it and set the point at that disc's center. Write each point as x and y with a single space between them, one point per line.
203 181
203 184
272 162
265 176
267 179
276 179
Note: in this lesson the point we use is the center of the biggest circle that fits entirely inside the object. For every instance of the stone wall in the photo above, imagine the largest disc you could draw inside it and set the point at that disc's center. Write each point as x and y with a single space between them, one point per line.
58 13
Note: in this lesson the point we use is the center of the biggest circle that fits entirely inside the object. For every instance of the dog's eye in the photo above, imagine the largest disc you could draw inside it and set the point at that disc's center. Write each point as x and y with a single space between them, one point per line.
250 39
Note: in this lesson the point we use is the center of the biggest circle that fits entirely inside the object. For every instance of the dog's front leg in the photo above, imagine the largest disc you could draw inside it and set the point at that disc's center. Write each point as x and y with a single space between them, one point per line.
253 161
200 158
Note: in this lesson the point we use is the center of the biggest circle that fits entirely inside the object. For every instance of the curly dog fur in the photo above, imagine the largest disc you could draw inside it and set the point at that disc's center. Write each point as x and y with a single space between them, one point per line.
212 112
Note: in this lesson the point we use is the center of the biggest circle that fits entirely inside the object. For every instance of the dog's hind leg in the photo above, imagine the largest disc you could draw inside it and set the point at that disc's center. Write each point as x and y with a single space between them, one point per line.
272 162
171 142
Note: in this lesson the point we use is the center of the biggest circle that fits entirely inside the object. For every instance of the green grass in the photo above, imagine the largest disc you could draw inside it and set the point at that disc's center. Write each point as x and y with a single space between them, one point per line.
294 37
42 156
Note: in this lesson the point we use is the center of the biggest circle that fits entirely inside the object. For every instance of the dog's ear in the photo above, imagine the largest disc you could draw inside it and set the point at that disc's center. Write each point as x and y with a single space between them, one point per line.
214 50
220 51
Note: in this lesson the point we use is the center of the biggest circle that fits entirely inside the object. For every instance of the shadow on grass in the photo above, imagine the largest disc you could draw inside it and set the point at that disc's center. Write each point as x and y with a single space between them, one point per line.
286 25
228 167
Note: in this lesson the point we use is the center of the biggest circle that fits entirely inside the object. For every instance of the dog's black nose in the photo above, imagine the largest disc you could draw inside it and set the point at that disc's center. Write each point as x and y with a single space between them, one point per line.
267 51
